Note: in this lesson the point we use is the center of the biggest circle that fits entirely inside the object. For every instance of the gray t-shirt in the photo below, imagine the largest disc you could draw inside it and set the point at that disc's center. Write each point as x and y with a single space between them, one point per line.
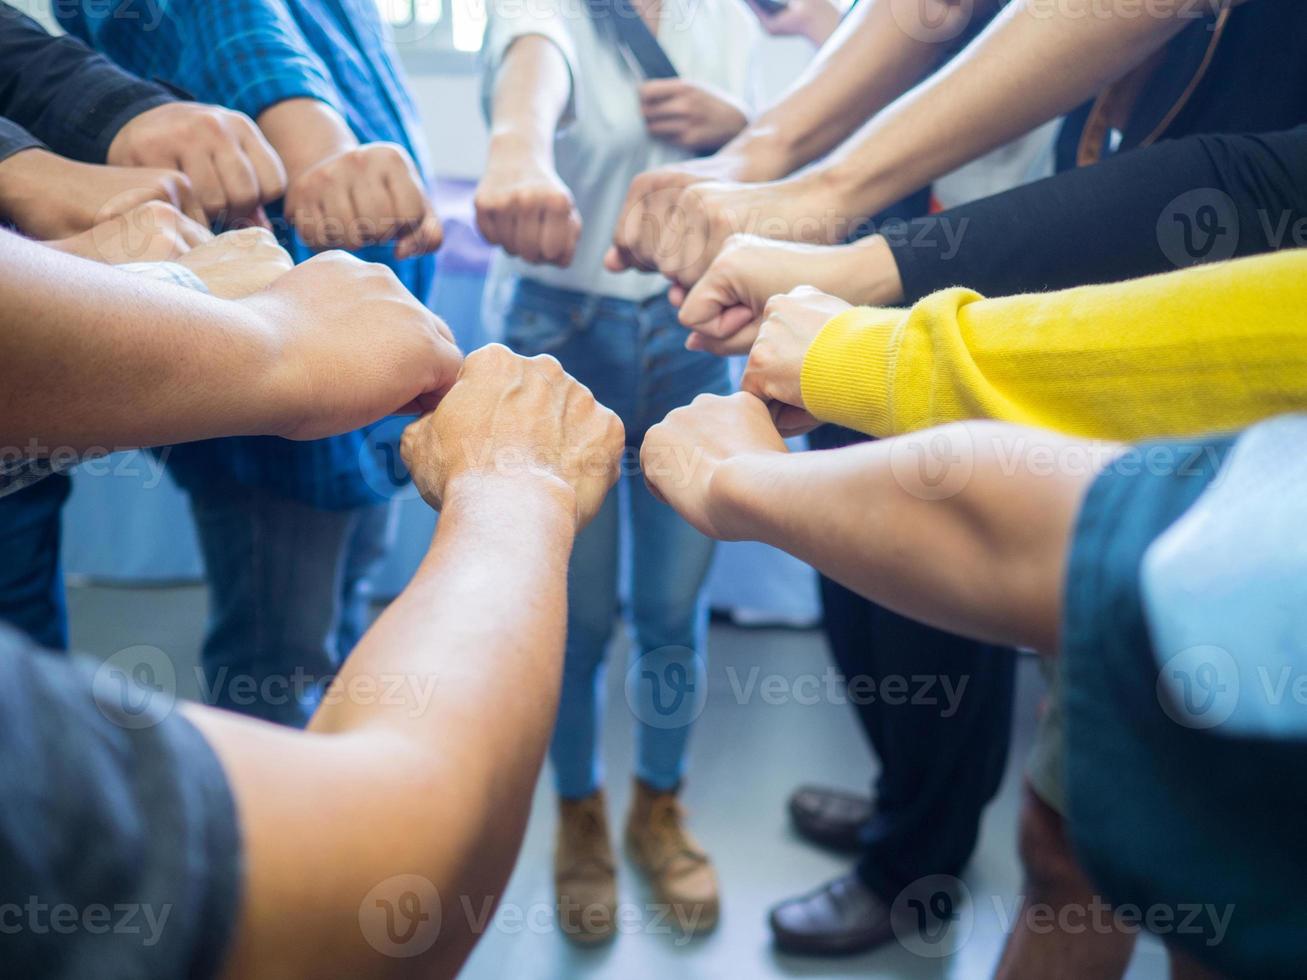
120 853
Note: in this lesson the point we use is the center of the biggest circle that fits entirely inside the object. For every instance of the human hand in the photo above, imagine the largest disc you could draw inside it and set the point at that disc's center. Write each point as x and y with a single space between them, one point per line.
688 115
653 195
524 207
353 346
232 169
238 263
684 454
724 307
814 19
520 418
50 197
364 195
774 373
151 232
681 237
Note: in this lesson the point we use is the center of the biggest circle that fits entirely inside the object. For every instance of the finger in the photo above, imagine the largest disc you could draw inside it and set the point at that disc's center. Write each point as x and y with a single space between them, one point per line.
792 421
618 259
741 343
705 301
340 223
192 233
530 229
240 184
426 238
671 130
186 201
198 165
375 211
676 295
412 206
660 89
268 169
555 236
487 218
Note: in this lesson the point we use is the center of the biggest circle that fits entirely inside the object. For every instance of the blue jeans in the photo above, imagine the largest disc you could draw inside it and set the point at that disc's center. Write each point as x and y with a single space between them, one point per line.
31 573
288 587
632 357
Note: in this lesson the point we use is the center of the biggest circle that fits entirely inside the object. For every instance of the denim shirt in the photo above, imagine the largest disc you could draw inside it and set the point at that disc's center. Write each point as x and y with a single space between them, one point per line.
249 55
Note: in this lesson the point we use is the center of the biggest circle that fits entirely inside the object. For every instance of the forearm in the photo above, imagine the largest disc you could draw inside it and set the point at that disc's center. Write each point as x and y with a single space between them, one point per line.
1032 64
304 132
947 526
530 95
434 781
1124 218
1205 349
186 366
868 62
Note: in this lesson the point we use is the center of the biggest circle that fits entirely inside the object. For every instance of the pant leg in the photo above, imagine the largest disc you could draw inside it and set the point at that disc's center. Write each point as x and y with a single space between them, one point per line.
942 760
276 570
591 613
667 680
31 572
374 534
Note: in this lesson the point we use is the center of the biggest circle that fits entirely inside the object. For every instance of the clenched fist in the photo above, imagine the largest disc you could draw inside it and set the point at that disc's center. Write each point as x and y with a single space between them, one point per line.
362 196
519 418
683 456
525 208
231 168
774 373
353 346
151 232
238 263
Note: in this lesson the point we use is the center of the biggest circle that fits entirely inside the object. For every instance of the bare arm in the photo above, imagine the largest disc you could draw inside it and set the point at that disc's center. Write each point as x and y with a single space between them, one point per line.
964 527
426 791
109 360
521 203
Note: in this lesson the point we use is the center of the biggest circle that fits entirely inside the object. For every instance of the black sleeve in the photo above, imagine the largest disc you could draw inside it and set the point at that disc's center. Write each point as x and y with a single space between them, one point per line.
65 94
1177 203
119 846
14 137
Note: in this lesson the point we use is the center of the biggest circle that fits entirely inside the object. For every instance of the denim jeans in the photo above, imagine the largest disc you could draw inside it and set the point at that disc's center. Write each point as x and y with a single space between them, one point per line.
632 357
31 573
288 595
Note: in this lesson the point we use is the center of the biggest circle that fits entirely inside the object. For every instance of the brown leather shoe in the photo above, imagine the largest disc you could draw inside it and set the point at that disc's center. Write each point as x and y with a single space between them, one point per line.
585 875
678 870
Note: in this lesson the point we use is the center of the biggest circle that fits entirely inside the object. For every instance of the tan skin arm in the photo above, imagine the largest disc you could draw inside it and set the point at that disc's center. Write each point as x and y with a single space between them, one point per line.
948 526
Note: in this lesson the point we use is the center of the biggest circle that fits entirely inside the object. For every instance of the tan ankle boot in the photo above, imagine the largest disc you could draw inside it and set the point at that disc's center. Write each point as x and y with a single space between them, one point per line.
679 872
585 877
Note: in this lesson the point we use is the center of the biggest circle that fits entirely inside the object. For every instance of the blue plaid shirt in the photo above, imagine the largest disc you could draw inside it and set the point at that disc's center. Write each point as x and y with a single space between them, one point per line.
249 55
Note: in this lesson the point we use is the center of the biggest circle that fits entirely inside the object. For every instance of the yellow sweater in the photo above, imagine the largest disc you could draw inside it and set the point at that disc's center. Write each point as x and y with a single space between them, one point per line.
1205 349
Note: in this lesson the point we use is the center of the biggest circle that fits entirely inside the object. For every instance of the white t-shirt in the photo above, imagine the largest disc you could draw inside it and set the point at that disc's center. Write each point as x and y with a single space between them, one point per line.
602 143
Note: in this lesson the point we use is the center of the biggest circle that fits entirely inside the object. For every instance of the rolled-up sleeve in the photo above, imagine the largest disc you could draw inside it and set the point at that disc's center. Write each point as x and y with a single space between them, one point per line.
508 20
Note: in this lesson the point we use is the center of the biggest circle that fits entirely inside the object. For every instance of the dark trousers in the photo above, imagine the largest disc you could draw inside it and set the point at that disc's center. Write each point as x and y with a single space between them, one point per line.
937 710
31 574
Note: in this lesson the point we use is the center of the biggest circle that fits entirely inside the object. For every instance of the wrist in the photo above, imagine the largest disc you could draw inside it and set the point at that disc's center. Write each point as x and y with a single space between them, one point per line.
761 152
31 183
737 494
305 132
511 147
498 488
871 273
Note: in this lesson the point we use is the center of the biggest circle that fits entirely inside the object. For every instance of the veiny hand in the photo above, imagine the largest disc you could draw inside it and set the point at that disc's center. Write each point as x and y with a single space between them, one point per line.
50 197
774 373
650 200
354 346
238 263
691 116
683 454
363 196
525 208
232 169
153 232
521 418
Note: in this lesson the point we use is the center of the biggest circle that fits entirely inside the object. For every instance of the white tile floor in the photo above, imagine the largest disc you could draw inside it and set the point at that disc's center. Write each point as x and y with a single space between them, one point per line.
747 756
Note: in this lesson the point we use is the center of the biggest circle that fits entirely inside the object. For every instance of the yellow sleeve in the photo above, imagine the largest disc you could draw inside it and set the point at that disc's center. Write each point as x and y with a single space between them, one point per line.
1205 349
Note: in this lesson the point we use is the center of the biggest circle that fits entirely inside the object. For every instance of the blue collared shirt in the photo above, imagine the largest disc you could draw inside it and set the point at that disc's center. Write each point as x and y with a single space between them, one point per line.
249 55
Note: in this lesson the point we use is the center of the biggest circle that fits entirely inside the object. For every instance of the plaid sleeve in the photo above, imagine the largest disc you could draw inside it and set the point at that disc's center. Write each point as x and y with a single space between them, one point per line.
243 54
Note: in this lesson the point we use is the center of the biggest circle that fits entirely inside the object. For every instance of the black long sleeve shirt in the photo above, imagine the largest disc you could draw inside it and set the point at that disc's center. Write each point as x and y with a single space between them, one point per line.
57 92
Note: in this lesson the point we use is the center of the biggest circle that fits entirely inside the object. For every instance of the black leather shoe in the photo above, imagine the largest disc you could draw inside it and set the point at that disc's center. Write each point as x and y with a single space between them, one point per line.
830 817
841 918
